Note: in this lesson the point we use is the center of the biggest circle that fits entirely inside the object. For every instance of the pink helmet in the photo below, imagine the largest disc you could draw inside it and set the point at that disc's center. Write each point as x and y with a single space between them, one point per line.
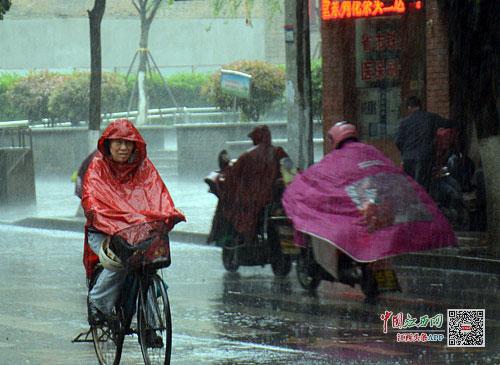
340 132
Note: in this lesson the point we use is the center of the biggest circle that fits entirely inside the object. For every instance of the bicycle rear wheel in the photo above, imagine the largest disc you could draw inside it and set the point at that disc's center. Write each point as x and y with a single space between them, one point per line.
107 339
154 322
108 344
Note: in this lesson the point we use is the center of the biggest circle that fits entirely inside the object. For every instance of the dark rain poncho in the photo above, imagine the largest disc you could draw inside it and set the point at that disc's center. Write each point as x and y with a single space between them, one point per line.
248 185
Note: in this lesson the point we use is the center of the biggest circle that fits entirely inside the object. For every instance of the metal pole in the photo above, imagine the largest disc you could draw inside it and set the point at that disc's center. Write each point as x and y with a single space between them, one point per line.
298 83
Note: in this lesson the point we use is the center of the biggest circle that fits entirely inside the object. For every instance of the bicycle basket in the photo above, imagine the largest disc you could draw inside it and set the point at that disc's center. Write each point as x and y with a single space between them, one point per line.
144 244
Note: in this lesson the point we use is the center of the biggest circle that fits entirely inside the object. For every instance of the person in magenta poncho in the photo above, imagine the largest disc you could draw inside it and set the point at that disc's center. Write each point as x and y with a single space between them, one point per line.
121 188
359 201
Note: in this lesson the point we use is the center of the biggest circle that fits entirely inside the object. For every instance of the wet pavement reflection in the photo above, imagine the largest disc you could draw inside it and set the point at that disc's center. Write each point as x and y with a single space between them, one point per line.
219 318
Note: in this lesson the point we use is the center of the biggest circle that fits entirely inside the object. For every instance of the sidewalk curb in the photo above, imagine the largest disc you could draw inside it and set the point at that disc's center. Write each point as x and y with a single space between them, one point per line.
419 259
449 262
77 225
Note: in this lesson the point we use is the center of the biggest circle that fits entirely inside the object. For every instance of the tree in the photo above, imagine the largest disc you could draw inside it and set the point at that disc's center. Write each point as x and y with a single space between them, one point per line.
4 7
147 10
474 71
95 18
232 7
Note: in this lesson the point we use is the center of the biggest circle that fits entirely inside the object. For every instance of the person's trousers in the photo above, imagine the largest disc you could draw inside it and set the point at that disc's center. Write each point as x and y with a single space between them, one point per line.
106 289
420 171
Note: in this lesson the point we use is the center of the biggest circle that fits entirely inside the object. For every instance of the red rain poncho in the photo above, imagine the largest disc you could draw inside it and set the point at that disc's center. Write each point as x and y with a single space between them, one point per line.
116 196
359 201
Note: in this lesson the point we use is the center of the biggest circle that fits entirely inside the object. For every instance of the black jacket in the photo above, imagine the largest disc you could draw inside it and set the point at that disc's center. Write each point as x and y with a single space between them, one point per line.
416 134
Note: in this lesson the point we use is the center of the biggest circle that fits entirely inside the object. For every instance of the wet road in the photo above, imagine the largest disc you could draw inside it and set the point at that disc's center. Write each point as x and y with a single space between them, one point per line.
249 317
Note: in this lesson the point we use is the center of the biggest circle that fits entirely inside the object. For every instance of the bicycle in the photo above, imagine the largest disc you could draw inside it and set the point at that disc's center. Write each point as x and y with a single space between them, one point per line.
143 295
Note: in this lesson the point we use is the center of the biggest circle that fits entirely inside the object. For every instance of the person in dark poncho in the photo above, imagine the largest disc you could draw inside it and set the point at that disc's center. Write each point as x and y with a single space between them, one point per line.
248 186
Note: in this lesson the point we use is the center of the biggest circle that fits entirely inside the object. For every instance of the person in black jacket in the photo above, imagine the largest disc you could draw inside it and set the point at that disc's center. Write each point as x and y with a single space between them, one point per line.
415 139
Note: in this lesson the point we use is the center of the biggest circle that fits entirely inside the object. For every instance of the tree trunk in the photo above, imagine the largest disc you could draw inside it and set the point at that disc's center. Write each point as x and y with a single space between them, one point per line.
147 11
142 104
95 18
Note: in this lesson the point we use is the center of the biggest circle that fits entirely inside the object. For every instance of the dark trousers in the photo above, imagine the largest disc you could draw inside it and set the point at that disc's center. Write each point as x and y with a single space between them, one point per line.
420 171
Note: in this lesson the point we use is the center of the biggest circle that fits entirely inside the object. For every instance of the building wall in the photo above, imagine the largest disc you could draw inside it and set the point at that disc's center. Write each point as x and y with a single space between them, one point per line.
63 43
53 34
339 94
185 36
437 55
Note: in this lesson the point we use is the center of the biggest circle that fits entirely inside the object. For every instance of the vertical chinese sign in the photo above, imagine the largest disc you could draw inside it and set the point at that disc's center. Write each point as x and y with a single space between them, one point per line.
378 70
378 50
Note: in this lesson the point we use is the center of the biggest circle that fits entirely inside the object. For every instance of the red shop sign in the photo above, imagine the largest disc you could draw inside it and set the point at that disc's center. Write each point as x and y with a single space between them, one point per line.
332 10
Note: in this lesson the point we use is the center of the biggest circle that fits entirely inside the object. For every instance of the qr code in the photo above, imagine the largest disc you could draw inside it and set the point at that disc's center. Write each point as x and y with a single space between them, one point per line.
466 328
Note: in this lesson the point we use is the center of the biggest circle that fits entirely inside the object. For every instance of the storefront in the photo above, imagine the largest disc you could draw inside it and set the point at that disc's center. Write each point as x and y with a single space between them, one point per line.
375 55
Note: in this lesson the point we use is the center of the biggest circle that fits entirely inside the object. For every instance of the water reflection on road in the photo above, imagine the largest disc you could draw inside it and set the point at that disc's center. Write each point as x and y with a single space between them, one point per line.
245 318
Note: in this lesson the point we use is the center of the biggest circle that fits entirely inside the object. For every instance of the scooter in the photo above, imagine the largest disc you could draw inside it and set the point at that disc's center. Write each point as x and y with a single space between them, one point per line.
273 242
320 260
272 245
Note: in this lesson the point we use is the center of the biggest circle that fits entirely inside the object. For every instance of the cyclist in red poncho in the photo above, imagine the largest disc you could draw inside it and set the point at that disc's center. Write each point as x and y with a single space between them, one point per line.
121 188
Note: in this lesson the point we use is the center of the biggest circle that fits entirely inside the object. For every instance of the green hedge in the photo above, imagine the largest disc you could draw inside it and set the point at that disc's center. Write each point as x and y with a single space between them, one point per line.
185 89
69 101
7 111
28 97
317 88
65 97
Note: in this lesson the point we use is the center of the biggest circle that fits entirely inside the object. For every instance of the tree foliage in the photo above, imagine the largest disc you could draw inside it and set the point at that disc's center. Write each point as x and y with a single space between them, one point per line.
70 99
65 97
234 7
185 87
31 94
317 88
4 7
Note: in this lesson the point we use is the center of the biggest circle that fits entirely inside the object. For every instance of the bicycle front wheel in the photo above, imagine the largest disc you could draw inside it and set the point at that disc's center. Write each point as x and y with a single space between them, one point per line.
154 322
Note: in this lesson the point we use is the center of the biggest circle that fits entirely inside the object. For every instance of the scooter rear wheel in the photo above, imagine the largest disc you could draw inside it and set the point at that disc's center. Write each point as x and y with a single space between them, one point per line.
307 274
369 285
230 259
281 264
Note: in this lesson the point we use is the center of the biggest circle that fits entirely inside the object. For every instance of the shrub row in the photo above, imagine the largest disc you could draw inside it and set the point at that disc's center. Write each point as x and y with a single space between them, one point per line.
65 97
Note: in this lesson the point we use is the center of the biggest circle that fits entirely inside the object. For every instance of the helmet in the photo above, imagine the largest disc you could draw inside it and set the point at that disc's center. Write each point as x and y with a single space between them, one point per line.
342 131
108 258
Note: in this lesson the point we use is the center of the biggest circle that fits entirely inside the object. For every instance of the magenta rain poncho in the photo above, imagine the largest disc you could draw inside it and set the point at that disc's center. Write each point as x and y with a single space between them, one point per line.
359 201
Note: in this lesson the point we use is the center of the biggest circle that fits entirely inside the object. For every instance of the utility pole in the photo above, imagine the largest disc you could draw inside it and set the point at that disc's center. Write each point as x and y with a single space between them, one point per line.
298 83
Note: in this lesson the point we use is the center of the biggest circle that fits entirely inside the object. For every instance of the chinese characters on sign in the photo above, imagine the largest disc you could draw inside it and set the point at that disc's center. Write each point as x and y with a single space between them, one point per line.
381 41
332 10
377 69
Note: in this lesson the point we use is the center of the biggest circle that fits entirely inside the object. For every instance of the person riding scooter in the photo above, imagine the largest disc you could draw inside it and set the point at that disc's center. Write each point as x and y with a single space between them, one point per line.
247 185
246 188
359 202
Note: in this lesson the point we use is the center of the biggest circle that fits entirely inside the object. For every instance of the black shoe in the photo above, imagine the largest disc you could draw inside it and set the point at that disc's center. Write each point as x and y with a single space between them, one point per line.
95 316
153 340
